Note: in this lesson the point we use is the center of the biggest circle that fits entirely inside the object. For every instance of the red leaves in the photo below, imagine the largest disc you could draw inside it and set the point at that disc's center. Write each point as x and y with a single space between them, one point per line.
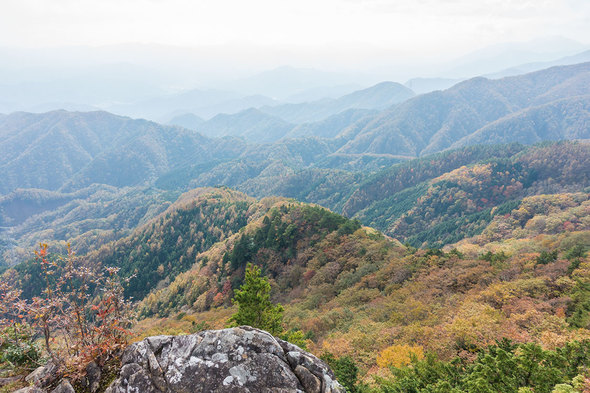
81 312
42 252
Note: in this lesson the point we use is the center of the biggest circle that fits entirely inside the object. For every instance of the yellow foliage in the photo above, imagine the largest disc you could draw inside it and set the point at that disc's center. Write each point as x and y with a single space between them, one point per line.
475 323
399 355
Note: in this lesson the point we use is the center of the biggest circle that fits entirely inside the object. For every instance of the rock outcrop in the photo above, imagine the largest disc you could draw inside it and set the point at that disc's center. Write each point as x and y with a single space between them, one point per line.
238 360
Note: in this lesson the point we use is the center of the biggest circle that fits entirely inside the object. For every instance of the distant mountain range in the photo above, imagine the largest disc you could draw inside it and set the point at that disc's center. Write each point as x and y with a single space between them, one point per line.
380 96
59 161
250 124
70 150
286 83
439 120
494 58
202 103
186 120
581 57
207 104
325 118
158 82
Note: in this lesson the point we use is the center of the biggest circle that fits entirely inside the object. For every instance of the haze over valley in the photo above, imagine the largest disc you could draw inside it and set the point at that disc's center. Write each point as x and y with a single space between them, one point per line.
329 196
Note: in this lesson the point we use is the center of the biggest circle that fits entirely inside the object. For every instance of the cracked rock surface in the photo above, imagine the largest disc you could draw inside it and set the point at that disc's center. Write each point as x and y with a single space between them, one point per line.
241 359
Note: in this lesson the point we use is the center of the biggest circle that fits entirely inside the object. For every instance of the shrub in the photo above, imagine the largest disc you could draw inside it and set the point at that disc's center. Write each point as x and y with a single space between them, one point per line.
17 346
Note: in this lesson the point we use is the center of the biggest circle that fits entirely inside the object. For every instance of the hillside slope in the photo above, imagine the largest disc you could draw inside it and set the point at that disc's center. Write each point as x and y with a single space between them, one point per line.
354 292
71 150
461 202
86 218
250 124
433 122
380 96
564 119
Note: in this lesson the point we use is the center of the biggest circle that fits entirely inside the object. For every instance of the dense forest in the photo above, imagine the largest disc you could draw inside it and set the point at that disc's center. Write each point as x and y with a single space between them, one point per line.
356 294
431 243
426 202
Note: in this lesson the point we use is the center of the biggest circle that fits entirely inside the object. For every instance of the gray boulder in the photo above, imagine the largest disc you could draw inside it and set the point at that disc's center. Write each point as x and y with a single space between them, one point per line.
64 387
44 375
241 360
30 389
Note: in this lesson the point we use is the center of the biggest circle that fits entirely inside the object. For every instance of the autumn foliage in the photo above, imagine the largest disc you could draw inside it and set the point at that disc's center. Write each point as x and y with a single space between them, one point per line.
81 314
399 355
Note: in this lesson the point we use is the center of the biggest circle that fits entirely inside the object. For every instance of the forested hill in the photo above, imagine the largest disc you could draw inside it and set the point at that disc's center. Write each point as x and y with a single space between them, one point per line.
351 291
427 202
354 292
168 244
436 121
283 241
461 202
442 198
70 150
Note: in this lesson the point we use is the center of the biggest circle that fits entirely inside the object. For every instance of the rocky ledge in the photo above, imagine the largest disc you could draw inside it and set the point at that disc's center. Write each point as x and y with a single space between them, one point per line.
238 360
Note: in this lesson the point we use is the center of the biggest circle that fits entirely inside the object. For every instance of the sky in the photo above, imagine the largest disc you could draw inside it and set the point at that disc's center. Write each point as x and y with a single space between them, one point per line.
403 26
201 43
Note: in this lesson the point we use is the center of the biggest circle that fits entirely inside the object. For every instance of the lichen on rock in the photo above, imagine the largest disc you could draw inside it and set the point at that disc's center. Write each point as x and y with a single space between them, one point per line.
241 359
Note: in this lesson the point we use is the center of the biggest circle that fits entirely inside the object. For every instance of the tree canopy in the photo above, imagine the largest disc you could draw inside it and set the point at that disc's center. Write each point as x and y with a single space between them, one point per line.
254 306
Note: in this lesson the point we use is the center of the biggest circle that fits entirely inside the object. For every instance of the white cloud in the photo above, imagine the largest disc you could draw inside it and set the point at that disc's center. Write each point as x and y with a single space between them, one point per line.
405 26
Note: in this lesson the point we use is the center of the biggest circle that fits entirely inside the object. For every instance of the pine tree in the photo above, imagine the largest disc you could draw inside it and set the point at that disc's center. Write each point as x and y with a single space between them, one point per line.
254 306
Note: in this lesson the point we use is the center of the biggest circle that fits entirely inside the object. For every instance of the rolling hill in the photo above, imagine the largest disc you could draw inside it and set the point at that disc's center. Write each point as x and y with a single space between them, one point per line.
250 124
87 218
563 119
71 150
353 292
186 120
434 122
380 96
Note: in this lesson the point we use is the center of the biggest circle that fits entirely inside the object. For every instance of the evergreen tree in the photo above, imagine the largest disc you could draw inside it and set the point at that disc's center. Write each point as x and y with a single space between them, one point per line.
254 306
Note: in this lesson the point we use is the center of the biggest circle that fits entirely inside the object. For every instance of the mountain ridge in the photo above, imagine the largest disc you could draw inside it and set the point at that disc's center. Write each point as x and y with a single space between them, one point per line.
432 122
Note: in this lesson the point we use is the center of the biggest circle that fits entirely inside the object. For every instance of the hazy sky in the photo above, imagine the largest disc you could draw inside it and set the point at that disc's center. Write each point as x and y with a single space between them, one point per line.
101 51
407 26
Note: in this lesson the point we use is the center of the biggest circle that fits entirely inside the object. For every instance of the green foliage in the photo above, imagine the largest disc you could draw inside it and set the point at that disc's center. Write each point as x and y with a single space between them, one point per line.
18 347
283 228
563 388
33 279
547 257
504 367
345 370
199 327
296 337
579 308
426 375
575 255
254 306
169 245
576 252
494 258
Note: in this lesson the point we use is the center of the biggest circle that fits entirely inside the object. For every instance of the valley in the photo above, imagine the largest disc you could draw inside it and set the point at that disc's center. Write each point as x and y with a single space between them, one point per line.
397 230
